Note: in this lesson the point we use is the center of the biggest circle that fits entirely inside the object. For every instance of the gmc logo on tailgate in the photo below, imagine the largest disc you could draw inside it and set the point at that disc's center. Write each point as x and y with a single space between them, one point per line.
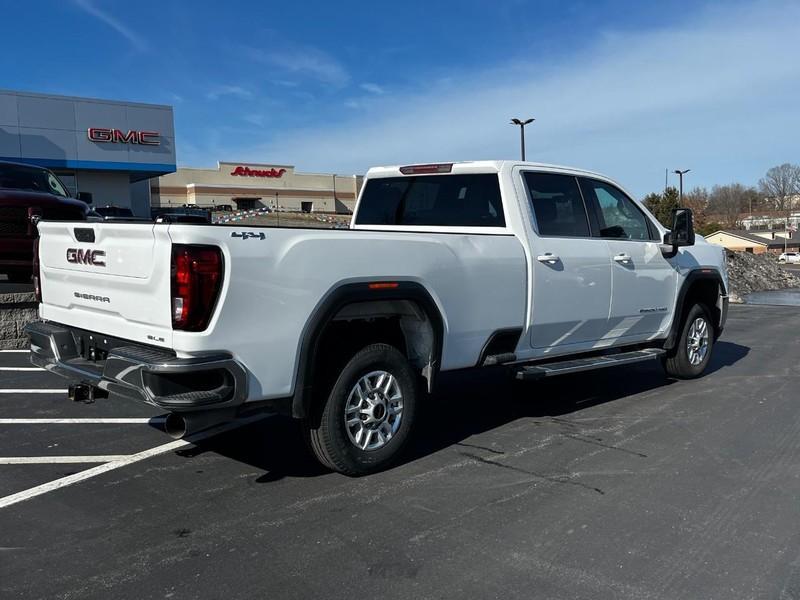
78 256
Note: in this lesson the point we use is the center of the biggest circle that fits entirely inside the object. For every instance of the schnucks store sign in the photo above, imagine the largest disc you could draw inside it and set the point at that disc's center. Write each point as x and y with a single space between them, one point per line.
248 172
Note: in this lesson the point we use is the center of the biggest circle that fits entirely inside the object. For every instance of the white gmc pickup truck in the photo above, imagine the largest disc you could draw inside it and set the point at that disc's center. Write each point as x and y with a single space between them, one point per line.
537 269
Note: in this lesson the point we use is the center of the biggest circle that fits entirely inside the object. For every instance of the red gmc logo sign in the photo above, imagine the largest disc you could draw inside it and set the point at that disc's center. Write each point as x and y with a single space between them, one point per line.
117 136
248 172
78 256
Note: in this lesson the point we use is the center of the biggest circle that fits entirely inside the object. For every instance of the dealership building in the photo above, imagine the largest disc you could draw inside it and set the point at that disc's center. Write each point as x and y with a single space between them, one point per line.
123 154
244 186
106 151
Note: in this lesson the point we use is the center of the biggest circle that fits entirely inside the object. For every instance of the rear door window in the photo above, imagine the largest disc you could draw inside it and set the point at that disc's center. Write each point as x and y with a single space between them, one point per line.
470 200
617 215
557 205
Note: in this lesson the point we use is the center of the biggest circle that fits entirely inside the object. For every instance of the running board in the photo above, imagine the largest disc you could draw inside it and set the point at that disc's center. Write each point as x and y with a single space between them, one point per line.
587 364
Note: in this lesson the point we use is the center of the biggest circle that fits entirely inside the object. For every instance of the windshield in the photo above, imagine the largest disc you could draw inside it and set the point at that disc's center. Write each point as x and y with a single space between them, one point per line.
18 177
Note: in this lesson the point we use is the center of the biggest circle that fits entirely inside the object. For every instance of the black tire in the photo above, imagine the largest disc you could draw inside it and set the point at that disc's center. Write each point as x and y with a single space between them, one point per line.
327 433
677 363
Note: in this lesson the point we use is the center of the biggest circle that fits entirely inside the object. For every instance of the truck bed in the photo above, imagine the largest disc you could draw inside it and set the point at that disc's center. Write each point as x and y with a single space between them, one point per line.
274 281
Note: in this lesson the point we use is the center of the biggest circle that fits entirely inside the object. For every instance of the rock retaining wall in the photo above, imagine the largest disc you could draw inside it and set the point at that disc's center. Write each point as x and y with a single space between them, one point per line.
756 273
16 311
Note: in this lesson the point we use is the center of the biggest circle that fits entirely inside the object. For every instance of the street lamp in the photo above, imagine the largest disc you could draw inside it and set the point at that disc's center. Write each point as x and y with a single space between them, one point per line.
522 124
680 174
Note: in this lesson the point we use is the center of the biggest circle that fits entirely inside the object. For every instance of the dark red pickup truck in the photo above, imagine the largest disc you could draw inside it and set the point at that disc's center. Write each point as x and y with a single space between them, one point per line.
28 193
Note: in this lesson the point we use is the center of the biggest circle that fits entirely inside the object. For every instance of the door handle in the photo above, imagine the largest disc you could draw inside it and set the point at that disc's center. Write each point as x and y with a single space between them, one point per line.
622 258
548 257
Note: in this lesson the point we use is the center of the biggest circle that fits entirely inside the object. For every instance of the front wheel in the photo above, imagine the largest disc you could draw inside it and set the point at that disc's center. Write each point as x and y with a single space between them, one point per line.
691 355
367 417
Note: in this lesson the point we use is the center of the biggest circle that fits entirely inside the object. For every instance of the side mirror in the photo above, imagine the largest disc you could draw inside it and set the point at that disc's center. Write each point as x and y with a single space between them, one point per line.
85 197
682 233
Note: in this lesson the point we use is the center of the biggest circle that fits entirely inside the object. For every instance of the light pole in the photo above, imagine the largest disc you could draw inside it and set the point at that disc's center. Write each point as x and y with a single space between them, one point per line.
522 124
680 175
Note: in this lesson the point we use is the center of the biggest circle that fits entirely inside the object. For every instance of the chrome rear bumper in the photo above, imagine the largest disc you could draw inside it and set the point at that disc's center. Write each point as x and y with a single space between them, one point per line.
152 375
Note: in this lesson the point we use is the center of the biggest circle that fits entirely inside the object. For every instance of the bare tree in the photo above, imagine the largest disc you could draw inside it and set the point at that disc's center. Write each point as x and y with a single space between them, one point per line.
697 200
780 184
728 202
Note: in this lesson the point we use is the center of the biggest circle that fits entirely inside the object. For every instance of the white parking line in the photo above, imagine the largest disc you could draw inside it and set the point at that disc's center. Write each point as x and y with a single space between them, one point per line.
18 391
122 462
15 351
21 369
59 460
115 420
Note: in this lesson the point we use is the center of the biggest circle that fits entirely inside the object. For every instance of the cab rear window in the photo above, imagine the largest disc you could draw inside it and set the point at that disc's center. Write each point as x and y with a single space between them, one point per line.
471 200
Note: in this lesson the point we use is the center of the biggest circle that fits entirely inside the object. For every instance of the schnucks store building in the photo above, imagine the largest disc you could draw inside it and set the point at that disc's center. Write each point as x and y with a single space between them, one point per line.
244 186
106 150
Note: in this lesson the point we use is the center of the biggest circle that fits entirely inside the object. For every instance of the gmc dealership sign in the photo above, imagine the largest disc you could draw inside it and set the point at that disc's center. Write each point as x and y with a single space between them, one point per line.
248 172
117 136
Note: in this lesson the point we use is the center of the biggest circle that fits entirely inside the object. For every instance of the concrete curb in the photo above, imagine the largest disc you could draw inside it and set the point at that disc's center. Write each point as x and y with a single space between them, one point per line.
16 311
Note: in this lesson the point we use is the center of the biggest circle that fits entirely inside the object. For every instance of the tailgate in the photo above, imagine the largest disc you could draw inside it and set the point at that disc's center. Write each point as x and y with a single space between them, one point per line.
113 278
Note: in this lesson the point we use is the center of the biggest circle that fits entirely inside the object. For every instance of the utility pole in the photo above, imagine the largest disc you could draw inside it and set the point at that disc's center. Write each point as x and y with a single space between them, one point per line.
522 124
680 175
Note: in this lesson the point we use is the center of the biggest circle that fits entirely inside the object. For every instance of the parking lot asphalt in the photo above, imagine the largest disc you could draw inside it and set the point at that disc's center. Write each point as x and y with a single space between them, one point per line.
609 484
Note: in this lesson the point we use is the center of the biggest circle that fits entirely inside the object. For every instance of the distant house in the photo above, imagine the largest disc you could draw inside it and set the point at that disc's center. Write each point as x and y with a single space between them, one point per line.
756 243
766 222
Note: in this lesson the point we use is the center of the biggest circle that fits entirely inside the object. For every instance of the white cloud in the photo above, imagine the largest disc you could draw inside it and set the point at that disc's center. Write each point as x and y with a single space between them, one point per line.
254 119
305 61
372 88
137 41
217 92
717 95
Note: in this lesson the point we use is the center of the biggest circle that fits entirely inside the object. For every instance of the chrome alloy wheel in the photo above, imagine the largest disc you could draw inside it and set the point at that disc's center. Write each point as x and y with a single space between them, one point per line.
374 410
697 341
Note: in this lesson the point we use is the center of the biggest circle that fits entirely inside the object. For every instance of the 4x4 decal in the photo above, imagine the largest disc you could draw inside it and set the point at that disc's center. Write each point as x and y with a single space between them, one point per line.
246 235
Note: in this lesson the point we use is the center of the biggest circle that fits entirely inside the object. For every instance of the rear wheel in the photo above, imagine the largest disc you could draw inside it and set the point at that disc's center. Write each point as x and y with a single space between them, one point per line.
365 421
691 355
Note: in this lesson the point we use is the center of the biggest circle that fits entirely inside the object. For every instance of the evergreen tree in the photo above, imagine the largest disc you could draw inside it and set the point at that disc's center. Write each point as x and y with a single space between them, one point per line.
661 205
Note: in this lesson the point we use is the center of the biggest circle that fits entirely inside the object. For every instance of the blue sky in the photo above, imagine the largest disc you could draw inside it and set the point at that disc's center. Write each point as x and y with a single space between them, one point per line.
625 88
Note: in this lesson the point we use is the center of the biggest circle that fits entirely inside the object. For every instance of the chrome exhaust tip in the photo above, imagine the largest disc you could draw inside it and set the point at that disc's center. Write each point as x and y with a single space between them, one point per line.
180 425
175 426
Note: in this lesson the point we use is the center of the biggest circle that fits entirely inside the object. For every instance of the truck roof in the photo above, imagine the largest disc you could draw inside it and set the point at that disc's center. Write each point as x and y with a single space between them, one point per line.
475 166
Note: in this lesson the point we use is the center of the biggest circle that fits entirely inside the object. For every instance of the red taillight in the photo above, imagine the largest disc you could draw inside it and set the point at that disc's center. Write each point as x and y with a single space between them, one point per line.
37 280
422 169
196 281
